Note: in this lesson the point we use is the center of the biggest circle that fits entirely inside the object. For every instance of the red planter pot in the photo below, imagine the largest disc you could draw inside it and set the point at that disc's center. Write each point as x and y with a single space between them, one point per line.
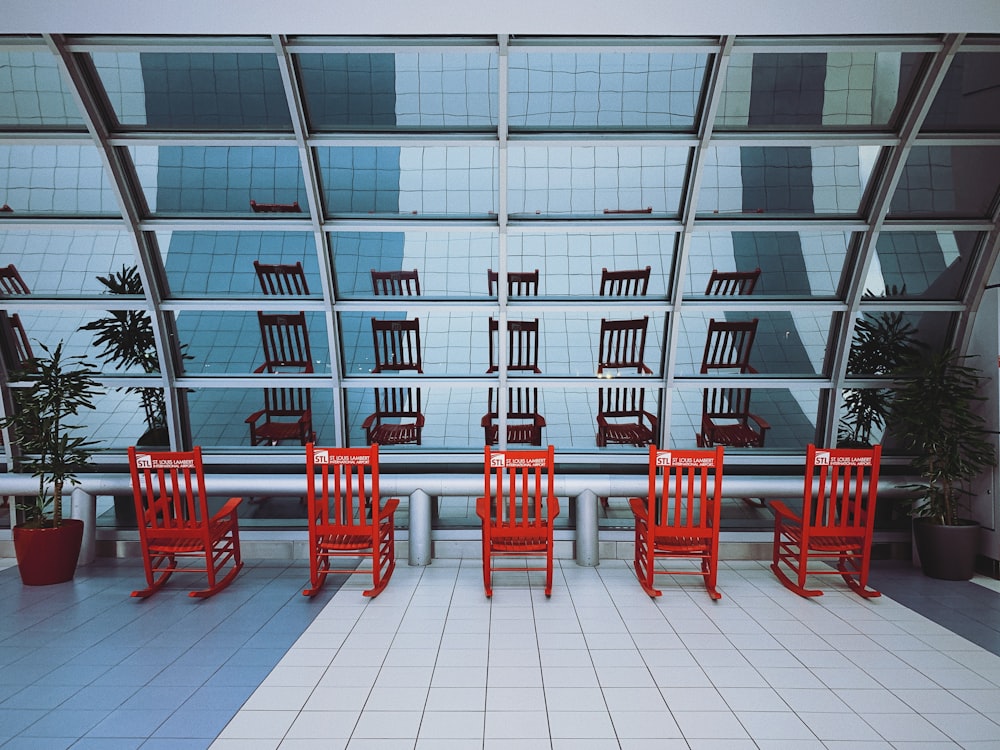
46 556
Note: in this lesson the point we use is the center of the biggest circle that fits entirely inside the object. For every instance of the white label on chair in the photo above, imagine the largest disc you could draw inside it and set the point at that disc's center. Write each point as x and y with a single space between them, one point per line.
165 463
322 456
143 461
666 458
498 460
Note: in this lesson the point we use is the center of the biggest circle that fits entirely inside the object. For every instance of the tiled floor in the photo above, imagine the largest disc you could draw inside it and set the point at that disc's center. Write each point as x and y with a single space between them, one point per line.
433 664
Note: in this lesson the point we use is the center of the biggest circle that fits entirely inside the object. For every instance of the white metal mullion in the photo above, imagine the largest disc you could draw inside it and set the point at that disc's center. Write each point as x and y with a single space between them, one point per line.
926 89
503 71
122 179
310 176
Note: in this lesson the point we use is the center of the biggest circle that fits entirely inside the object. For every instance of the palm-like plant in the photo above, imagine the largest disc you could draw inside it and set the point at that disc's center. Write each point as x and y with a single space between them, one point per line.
61 387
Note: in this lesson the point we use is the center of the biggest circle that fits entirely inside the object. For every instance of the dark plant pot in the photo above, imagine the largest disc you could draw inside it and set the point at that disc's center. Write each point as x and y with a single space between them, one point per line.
947 552
47 556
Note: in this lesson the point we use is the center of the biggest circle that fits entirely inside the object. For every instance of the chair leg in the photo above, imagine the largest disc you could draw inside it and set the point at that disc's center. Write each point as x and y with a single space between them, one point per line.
645 560
216 586
487 573
383 561
548 570
858 580
319 568
154 582
710 571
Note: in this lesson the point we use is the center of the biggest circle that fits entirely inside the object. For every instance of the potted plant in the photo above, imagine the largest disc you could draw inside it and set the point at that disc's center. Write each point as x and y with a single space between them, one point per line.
935 418
47 546
126 338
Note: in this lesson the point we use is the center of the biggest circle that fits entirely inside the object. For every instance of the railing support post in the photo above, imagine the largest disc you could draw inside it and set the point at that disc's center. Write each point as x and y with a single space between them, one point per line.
83 505
587 553
419 548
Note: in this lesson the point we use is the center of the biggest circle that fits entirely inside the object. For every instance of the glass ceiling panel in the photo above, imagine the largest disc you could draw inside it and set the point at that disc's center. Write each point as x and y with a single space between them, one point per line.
948 181
790 180
571 265
921 265
790 263
66 262
785 344
387 91
448 264
417 181
597 180
812 90
62 180
194 91
222 263
607 90
32 93
220 179
969 97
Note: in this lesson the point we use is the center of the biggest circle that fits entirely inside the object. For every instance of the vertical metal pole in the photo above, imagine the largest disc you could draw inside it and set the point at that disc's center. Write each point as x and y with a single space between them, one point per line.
586 529
83 505
420 528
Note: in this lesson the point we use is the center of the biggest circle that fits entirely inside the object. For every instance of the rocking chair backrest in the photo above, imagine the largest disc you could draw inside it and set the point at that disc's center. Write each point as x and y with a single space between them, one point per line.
169 488
685 490
841 485
343 491
521 487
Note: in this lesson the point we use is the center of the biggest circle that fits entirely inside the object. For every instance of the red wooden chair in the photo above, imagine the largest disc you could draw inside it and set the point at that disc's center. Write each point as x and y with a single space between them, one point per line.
397 345
679 517
285 339
13 338
397 418
281 278
396 283
728 345
518 510
524 423
275 208
622 418
11 283
174 521
732 283
519 283
627 283
347 517
522 346
623 345
287 415
836 522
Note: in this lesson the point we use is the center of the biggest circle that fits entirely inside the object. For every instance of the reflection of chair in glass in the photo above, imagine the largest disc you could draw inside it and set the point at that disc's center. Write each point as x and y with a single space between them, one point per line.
728 345
171 506
518 510
628 283
524 423
519 283
623 345
286 343
281 278
347 517
13 338
287 415
836 522
275 208
396 283
726 420
622 418
732 283
11 283
397 418
679 517
397 345
522 346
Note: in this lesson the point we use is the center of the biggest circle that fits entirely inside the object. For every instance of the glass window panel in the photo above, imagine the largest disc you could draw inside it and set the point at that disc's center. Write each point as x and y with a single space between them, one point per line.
790 263
230 342
403 90
458 343
969 97
218 179
194 91
66 262
48 326
218 418
62 180
805 90
925 265
572 264
421 181
947 181
222 263
597 180
452 264
860 420
32 93
790 415
630 90
744 180
786 343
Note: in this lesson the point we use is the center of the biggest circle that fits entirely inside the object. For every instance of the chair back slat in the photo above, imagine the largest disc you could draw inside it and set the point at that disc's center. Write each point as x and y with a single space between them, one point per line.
285 340
397 345
841 490
732 283
622 345
396 283
522 346
685 489
728 345
626 283
343 489
519 283
521 484
281 278
169 488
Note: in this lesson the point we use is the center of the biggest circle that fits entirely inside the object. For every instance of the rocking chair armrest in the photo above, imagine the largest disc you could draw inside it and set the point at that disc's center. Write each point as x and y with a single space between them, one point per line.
254 417
781 512
369 421
761 422
553 504
229 509
390 507
488 419
638 506
483 508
